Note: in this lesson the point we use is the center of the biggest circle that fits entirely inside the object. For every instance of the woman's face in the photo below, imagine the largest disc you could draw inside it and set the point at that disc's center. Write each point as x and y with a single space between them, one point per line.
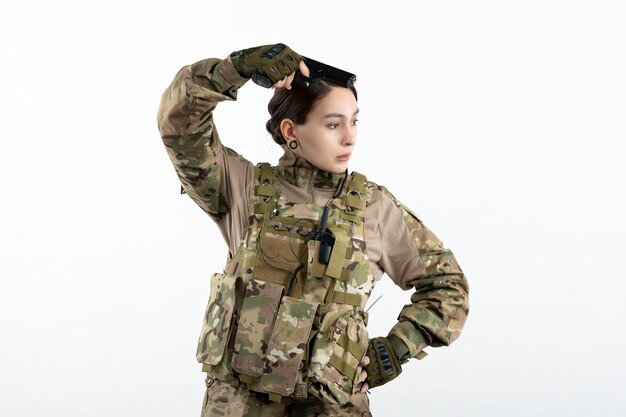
328 136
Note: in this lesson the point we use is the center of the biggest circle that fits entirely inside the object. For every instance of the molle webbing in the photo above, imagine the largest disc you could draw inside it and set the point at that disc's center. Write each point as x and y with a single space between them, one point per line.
343 367
352 209
354 199
351 346
265 190
346 298
346 360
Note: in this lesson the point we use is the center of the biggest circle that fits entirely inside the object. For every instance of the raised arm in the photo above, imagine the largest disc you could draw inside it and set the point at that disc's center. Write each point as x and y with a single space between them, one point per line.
216 177
185 120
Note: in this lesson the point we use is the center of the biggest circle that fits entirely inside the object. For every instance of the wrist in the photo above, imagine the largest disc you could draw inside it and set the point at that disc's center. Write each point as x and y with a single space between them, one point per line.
243 69
400 349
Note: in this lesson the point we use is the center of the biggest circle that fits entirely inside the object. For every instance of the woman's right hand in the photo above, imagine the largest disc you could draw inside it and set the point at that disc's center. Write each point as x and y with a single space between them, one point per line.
269 65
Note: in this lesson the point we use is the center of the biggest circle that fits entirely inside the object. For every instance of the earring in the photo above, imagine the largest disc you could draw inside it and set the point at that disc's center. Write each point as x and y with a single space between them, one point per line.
293 144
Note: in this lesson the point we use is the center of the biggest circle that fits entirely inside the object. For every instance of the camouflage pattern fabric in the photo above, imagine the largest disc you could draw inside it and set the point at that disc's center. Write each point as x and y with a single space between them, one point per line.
439 305
258 314
338 348
229 400
218 318
220 181
287 345
272 248
185 120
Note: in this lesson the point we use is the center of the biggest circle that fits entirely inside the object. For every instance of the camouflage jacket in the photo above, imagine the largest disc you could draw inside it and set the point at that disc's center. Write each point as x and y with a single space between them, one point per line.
218 179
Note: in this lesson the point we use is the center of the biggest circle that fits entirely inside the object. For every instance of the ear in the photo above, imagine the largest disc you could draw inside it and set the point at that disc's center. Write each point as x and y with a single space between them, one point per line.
287 128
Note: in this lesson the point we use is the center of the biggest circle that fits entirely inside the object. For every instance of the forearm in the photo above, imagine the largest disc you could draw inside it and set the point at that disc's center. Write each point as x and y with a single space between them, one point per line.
439 306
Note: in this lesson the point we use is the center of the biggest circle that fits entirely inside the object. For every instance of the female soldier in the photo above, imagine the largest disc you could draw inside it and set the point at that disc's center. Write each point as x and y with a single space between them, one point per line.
285 331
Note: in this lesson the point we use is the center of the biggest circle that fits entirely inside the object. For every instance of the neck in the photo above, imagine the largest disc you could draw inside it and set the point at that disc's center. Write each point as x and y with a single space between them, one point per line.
300 172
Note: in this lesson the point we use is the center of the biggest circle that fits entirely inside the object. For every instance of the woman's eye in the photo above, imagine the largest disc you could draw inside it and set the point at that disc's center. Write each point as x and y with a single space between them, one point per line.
333 125
354 122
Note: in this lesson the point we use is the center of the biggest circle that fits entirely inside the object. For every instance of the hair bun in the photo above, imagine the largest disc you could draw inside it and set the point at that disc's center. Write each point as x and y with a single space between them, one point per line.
274 132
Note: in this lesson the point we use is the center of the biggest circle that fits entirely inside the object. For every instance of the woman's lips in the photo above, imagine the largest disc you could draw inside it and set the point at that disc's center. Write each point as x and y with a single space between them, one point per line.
344 157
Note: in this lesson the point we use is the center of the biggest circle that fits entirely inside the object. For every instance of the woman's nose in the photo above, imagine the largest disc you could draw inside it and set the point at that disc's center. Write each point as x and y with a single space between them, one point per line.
349 137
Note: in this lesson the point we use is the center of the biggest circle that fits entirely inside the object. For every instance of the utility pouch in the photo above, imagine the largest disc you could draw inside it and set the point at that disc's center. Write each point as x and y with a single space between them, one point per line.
287 345
282 245
219 318
336 355
256 323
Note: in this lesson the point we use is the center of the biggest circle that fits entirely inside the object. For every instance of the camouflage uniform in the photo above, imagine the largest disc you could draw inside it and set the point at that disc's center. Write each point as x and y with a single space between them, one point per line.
225 400
228 188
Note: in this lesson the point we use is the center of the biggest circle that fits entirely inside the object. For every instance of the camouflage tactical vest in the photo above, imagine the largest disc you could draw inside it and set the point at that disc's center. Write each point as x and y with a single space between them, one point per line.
277 319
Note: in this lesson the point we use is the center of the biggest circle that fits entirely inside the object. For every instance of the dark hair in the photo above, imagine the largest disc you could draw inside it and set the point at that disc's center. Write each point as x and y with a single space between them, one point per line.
295 104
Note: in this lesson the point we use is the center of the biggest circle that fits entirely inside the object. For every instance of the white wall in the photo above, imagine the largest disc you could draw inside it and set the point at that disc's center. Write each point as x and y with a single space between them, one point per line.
500 123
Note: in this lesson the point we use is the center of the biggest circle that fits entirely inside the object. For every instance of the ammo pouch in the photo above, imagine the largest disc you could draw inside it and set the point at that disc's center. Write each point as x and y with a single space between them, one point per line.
336 354
260 340
219 318
272 338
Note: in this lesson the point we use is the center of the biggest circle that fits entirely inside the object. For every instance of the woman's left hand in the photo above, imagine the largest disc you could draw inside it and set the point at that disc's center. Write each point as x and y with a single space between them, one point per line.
363 376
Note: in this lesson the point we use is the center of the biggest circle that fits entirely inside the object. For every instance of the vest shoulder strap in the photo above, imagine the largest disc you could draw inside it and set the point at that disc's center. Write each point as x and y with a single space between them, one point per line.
354 199
265 190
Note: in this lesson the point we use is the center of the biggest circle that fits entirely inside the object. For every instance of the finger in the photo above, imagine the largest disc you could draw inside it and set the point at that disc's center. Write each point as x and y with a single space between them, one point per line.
285 82
365 387
279 84
365 361
362 376
288 81
304 69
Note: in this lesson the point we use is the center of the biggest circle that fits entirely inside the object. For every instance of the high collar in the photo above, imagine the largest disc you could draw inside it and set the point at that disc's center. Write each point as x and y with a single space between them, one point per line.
300 172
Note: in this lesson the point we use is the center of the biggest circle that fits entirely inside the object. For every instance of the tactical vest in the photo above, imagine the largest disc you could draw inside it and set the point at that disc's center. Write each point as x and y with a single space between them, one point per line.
278 319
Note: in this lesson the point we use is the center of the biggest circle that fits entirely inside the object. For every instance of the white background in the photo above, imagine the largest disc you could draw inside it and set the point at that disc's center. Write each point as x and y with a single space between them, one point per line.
500 123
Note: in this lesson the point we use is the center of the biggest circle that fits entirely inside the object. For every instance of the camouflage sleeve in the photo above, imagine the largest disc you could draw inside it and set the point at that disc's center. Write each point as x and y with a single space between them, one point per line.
185 121
418 260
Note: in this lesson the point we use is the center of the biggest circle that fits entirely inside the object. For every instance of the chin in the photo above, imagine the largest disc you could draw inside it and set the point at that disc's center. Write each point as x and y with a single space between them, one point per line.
334 167
339 169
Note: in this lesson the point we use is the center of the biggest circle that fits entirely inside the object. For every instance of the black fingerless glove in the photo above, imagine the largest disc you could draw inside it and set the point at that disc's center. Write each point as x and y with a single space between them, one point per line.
267 64
385 362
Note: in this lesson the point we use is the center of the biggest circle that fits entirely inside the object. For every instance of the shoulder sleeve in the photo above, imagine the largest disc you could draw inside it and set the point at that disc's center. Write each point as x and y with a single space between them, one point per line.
212 175
415 258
